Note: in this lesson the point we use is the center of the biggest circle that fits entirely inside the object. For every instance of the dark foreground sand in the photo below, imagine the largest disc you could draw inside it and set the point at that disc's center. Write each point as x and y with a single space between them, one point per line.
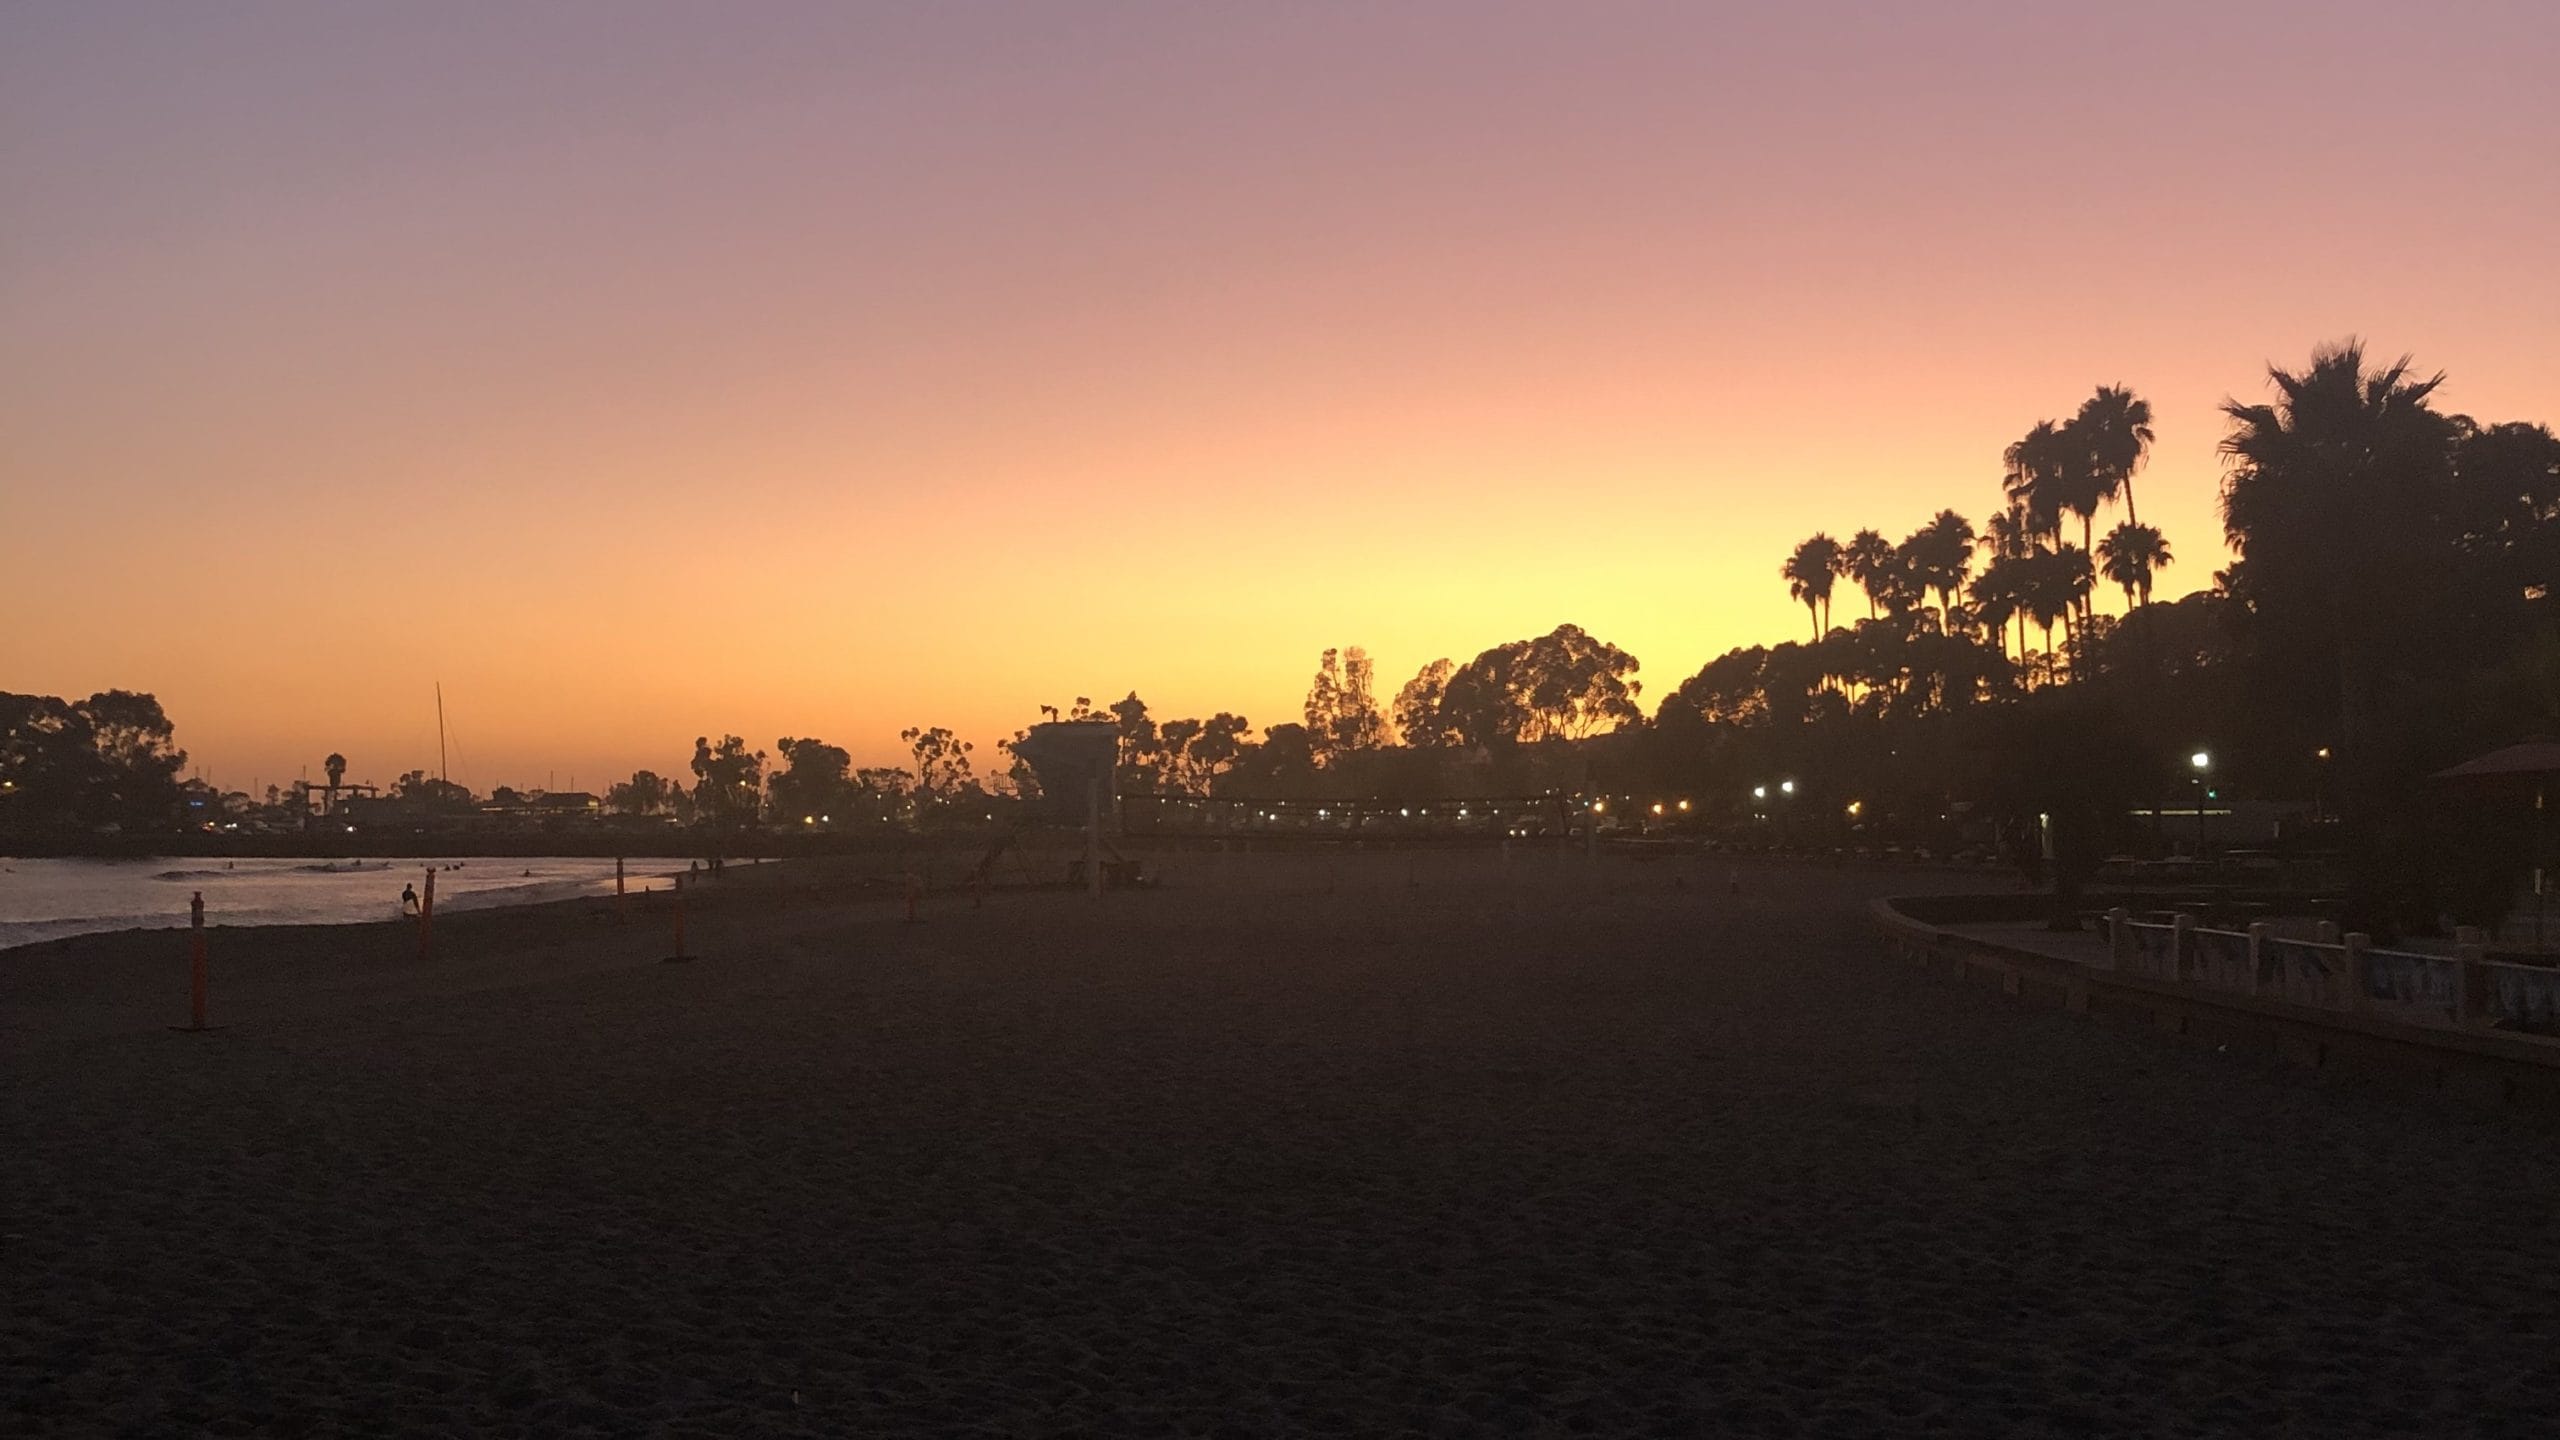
1514 1152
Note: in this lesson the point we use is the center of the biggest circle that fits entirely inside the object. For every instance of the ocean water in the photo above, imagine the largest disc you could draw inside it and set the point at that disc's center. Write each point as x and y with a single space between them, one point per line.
48 899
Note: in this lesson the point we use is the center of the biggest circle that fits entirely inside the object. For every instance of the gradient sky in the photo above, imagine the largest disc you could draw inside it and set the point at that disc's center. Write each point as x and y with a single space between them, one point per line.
646 370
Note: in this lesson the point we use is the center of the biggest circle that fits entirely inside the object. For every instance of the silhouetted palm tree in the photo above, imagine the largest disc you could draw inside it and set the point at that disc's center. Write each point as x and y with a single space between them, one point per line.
2044 599
2053 471
2076 577
1898 586
1942 556
2116 425
2034 472
2006 536
1864 559
2333 499
2130 554
2051 585
1809 573
1999 597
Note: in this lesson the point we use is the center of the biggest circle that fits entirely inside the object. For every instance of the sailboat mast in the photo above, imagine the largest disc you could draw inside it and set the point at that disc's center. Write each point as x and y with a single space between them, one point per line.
440 766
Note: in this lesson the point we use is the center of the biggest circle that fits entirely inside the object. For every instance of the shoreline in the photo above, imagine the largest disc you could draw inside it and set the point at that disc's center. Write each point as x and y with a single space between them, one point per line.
809 881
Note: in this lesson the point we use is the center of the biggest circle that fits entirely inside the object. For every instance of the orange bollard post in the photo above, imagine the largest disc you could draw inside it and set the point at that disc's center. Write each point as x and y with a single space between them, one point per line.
680 955
195 962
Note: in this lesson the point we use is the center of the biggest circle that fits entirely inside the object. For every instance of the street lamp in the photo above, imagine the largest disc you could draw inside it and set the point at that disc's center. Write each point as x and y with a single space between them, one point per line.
1787 786
2202 762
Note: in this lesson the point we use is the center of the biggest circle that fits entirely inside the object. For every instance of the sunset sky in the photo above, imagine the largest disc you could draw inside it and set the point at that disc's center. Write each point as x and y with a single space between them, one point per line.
640 371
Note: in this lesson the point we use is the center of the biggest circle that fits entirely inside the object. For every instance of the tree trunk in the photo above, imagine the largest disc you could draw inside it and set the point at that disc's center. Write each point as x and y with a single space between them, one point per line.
2361 808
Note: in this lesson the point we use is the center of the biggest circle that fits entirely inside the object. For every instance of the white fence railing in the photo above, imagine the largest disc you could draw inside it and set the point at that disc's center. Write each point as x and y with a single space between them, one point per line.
2347 974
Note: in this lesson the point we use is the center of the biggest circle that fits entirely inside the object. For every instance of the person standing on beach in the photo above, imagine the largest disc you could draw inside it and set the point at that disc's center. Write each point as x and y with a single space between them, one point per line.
409 901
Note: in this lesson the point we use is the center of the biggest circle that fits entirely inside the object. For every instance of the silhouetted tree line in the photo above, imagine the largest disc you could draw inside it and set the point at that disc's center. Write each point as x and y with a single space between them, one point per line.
2389 612
108 761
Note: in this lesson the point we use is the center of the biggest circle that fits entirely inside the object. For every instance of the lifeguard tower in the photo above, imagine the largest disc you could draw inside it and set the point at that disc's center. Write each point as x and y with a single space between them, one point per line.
1076 763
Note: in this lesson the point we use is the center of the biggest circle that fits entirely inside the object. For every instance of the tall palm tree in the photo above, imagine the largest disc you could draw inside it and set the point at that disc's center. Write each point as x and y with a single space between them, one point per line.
1998 599
1942 554
2116 424
2044 597
2130 554
2054 472
1898 585
2075 577
2033 472
2051 586
2006 536
2335 499
2078 483
2330 489
1809 573
1864 560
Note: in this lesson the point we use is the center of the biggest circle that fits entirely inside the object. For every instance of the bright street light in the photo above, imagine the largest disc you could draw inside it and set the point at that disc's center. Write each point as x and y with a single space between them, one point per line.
1759 792
2201 760
1787 786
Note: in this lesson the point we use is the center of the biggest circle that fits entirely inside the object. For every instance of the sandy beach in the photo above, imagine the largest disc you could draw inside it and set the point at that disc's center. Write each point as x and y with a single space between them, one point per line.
1379 1145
